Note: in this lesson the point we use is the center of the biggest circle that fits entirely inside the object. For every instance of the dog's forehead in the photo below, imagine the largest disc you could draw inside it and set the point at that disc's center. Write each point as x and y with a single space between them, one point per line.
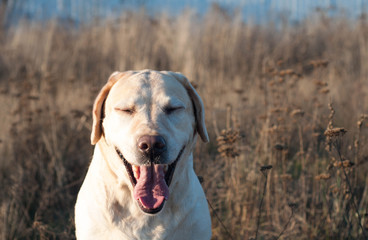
149 86
165 86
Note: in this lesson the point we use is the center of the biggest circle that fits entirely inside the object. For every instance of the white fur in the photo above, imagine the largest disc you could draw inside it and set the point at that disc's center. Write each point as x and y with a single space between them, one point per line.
105 207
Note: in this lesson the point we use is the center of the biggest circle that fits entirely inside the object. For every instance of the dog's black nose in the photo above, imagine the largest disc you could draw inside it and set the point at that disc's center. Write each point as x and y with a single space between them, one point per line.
151 146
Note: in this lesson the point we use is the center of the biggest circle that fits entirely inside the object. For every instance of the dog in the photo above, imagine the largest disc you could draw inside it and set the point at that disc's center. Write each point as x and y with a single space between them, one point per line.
140 183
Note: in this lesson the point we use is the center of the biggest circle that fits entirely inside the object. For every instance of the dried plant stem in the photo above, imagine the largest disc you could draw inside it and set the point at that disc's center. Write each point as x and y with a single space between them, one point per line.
218 218
265 173
363 117
283 230
302 177
337 146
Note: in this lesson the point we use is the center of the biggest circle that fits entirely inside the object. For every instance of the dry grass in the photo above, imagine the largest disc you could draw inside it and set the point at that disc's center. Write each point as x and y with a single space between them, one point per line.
266 93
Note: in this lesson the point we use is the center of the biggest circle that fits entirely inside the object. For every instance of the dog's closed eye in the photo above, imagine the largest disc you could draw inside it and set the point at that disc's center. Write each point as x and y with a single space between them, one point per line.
171 109
128 110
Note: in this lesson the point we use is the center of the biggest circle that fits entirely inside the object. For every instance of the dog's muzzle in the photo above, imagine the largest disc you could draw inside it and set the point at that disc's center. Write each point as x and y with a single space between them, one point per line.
150 181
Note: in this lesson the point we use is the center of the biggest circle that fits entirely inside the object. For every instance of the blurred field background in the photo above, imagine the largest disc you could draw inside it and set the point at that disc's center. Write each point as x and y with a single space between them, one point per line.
286 110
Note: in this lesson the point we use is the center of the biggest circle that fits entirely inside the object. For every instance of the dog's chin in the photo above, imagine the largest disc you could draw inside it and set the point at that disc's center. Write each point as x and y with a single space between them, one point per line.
153 204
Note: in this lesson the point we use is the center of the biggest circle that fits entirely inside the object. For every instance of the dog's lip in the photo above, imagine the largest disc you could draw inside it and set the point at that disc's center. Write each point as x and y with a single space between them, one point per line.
132 172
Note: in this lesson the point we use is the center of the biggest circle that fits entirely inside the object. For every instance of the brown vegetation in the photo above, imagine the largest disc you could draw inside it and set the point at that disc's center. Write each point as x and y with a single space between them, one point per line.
281 164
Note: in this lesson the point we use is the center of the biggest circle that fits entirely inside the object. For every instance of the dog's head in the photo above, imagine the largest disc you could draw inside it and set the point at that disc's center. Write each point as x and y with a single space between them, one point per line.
150 119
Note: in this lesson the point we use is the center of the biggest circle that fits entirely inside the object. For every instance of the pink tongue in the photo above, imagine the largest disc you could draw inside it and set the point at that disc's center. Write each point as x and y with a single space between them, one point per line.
151 188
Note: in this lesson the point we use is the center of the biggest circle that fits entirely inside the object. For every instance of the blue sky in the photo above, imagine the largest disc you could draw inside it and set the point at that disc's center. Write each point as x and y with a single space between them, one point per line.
254 10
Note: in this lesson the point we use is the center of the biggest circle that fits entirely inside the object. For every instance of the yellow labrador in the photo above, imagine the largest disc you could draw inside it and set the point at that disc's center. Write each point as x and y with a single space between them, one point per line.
141 183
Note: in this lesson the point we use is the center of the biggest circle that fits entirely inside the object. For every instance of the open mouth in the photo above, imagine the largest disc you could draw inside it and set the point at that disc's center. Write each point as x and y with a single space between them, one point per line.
150 183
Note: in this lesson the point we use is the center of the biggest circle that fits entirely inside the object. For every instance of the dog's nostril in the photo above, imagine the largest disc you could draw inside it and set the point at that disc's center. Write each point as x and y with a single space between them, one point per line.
159 143
143 146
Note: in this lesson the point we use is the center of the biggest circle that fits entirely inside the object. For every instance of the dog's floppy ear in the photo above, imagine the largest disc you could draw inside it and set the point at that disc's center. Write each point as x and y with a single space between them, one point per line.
197 103
98 106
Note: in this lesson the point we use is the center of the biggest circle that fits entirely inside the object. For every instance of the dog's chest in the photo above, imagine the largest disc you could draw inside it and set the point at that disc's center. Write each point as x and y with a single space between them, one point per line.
141 229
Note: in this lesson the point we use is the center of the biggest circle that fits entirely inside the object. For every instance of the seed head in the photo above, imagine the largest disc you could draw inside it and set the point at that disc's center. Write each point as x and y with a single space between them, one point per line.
319 83
292 205
324 90
319 63
345 164
286 72
279 147
361 120
323 176
286 177
297 112
266 167
335 132
227 143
